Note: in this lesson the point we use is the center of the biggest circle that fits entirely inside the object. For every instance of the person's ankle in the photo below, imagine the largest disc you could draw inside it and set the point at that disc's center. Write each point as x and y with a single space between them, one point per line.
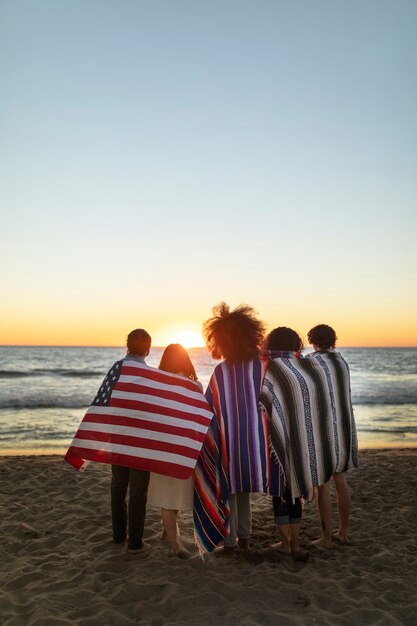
285 543
243 543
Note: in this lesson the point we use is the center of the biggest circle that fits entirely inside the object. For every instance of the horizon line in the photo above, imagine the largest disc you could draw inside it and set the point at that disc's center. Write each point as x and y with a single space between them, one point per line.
45 345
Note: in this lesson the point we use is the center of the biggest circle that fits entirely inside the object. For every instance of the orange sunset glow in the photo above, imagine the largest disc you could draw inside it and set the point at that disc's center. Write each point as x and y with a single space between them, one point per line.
188 339
351 333
149 206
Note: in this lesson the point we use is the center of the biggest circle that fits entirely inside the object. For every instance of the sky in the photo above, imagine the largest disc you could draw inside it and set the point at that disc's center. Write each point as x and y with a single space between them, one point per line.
159 157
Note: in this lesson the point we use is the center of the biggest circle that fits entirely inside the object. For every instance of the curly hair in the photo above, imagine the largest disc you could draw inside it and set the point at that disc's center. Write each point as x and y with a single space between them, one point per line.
283 338
322 336
234 335
175 359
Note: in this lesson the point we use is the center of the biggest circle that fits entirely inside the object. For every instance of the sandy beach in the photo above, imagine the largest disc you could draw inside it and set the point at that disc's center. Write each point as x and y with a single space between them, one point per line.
58 565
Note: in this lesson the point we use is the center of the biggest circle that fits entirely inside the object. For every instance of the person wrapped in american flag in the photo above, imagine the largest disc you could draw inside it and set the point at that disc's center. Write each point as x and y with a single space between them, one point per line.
172 495
142 420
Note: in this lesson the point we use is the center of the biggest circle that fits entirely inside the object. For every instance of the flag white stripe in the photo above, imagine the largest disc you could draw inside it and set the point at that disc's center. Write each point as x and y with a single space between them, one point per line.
158 402
150 417
144 453
144 367
140 432
155 384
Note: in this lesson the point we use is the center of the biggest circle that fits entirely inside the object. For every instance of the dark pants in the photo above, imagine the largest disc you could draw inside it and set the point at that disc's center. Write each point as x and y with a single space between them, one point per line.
287 511
138 482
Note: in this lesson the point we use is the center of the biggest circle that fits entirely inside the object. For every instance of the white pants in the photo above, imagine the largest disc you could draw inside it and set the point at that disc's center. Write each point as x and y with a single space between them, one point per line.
240 518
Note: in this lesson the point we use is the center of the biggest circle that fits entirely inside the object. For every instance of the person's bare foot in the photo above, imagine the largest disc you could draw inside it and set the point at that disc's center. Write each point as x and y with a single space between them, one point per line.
180 553
322 544
280 547
144 548
300 556
227 551
342 540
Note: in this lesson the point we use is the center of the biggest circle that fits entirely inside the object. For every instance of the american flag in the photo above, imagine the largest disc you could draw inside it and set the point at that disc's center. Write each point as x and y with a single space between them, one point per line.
143 418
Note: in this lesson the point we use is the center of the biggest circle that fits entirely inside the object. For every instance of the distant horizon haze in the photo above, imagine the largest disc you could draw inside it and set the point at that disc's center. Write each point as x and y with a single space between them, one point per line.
307 346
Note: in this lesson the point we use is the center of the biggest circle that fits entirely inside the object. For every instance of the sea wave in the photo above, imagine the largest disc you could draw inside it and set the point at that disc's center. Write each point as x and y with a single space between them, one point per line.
50 372
11 374
36 403
23 435
399 430
390 401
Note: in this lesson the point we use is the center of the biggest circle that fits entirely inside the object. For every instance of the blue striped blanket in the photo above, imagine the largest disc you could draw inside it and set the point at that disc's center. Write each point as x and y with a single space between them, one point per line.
236 456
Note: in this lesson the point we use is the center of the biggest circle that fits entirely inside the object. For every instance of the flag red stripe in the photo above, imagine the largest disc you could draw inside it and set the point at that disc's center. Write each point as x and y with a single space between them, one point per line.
132 422
147 465
158 375
74 460
137 442
160 393
146 407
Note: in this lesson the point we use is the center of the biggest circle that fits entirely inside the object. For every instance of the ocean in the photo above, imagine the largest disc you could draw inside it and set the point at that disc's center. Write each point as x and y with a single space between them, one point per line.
44 393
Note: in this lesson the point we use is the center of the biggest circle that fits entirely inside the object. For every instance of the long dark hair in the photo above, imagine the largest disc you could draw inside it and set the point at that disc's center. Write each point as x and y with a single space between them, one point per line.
234 335
175 359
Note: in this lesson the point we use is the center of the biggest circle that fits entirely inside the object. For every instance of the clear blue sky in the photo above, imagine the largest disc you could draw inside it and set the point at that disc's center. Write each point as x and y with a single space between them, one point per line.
166 155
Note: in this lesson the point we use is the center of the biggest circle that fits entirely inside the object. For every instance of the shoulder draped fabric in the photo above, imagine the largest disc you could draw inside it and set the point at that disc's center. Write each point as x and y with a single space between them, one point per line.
335 371
312 428
143 418
235 456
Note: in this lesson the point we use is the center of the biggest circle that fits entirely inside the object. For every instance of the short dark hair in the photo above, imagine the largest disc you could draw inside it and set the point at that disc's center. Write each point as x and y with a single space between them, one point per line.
283 338
139 342
322 336
234 335
175 359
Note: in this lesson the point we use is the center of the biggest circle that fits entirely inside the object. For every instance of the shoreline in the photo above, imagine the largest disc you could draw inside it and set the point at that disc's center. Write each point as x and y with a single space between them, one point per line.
60 452
59 566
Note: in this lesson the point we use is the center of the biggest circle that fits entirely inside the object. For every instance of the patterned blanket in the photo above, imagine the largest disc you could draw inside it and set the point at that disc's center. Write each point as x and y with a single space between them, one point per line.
143 418
308 404
211 511
235 456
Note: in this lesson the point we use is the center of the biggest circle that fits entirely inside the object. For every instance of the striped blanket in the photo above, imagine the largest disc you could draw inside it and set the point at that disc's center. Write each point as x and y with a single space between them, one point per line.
308 403
143 418
235 456
211 511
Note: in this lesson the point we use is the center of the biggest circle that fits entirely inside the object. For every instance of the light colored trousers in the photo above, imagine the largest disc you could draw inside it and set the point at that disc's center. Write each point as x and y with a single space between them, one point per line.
240 518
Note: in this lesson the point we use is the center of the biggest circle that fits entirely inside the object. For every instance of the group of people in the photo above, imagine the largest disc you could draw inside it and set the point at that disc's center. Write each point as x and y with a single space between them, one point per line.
282 425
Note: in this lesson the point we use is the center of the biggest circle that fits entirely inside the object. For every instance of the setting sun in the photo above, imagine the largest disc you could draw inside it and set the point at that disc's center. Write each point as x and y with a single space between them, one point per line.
188 339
